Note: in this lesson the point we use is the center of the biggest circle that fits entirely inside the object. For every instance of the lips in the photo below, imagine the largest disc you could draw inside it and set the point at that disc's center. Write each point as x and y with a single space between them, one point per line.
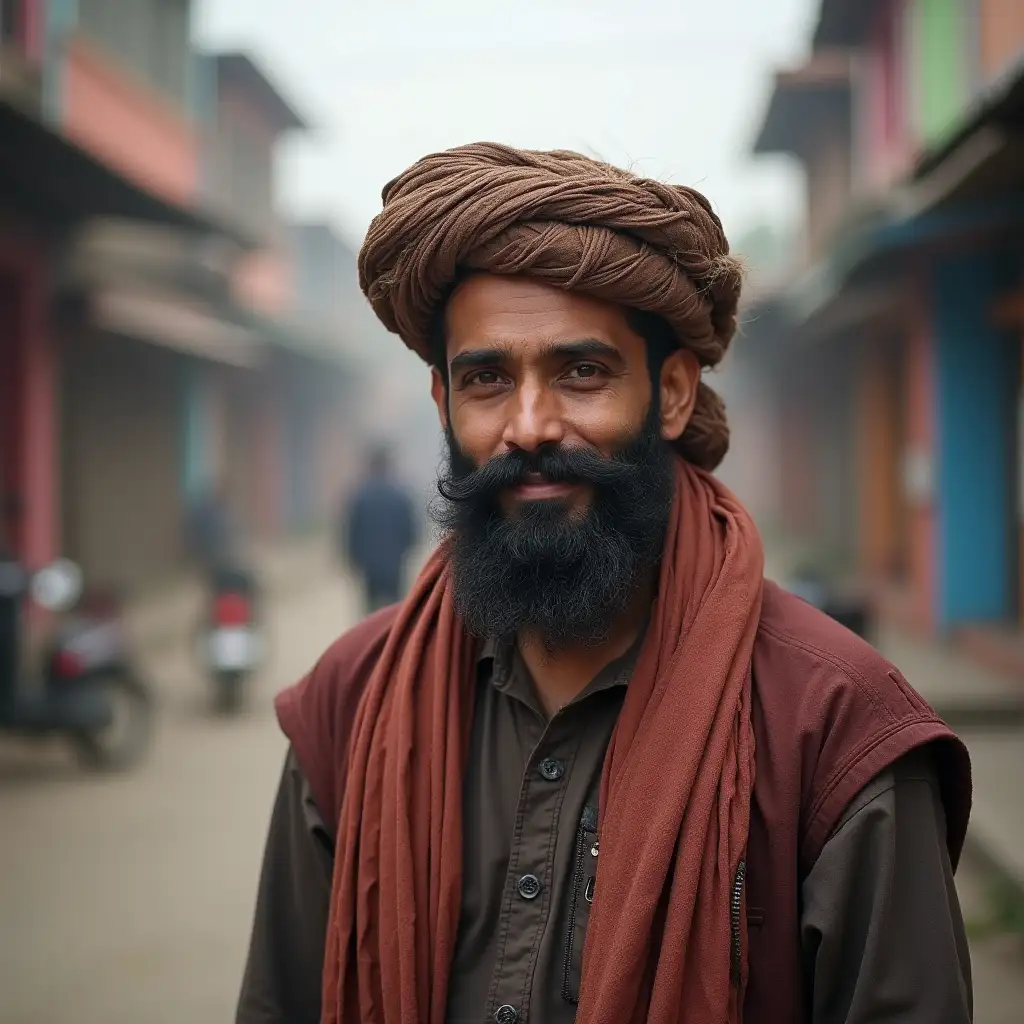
537 487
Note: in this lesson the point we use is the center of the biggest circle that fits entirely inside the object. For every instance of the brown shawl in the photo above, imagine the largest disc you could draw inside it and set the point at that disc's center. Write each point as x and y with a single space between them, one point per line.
675 797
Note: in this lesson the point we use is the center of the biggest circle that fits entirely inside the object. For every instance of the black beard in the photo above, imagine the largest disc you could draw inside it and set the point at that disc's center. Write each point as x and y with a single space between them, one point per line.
561 574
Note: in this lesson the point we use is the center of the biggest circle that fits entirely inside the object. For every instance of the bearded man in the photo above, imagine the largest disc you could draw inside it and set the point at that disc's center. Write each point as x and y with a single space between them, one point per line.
594 767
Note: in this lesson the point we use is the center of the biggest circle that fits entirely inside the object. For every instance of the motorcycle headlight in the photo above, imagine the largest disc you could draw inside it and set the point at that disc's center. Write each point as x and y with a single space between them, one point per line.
58 586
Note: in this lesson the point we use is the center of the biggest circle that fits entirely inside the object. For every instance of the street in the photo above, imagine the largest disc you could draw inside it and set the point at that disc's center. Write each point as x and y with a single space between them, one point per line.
128 900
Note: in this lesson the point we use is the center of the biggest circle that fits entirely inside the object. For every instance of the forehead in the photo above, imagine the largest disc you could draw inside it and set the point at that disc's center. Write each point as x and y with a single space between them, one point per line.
489 309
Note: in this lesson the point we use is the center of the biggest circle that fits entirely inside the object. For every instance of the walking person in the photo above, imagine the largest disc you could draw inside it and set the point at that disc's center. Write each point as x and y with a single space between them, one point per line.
379 529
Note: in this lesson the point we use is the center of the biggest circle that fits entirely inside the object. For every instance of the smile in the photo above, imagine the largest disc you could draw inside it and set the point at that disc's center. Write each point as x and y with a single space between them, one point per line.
535 488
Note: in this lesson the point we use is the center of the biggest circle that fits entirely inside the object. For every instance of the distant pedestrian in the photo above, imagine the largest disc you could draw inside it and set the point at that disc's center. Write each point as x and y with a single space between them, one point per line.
378 529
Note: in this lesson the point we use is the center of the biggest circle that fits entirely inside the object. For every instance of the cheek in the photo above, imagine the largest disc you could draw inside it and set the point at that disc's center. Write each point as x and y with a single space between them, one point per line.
604 421
477 430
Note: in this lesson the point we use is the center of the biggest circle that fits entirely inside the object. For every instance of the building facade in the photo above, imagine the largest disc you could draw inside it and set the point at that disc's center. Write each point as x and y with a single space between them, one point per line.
147 347
899 330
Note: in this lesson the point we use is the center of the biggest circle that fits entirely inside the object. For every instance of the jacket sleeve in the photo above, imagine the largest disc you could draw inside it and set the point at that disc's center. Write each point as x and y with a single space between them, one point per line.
883 937
283 971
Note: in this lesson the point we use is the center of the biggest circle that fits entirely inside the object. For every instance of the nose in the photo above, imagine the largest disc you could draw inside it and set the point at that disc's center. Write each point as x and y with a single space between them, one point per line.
536 419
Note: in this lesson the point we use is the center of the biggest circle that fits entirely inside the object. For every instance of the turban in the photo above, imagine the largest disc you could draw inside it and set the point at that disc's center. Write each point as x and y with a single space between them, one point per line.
570 222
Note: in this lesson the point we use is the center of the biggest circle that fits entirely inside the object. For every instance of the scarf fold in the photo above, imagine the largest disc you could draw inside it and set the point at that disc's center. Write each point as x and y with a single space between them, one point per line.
675 797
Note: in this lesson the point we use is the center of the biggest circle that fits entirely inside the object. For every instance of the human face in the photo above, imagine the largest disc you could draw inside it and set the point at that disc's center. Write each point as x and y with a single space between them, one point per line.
552 530
531 366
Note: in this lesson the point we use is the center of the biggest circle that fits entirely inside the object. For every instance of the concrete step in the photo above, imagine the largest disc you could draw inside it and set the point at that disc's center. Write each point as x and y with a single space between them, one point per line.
987 711
997 819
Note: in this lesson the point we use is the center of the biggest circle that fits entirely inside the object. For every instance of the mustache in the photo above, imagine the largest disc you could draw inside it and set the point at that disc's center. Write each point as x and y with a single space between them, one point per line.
554 464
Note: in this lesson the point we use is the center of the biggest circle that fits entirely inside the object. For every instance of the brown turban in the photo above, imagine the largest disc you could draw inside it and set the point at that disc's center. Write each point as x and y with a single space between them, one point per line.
571 222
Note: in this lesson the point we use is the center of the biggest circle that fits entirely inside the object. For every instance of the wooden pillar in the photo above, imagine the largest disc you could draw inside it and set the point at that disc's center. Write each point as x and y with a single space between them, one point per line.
878 459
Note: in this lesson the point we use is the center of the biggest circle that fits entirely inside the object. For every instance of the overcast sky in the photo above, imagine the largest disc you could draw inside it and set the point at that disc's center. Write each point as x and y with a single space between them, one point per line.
674 89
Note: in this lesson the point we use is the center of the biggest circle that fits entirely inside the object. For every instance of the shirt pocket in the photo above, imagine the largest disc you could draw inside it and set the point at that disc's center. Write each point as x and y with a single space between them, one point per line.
581 896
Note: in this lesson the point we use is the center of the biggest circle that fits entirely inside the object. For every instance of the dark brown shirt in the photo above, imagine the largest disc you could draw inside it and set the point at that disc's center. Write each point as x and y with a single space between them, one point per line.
531 834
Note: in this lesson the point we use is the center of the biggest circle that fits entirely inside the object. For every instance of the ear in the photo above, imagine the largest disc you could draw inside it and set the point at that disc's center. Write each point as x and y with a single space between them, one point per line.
680 379
439 392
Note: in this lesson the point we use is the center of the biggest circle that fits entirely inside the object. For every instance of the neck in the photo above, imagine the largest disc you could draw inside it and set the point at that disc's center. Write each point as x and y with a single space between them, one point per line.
560 676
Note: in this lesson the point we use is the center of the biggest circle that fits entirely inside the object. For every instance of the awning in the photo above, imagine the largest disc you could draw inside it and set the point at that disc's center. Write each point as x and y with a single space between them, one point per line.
843 22
802 100
177 323
152 256
982 158
51 178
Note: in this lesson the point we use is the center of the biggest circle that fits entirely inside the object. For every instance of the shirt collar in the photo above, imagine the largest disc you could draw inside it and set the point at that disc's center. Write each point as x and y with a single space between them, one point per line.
500 664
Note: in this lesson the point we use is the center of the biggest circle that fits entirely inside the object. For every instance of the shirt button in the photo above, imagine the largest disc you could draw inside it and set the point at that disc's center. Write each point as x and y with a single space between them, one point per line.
529 887
506 1015
551 769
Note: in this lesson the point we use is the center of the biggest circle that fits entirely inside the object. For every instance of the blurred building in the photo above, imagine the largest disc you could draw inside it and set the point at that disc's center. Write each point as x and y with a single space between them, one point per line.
148 342
392 403
893 347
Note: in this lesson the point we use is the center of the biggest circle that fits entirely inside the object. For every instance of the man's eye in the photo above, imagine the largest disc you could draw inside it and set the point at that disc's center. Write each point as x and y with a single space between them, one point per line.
486 377
585 371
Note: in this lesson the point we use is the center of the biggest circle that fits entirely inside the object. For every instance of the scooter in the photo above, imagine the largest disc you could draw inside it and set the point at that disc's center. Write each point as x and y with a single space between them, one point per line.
231 640
88 692
848 607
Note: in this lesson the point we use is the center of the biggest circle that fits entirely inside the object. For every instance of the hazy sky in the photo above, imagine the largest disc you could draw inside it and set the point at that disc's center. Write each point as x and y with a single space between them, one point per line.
675 89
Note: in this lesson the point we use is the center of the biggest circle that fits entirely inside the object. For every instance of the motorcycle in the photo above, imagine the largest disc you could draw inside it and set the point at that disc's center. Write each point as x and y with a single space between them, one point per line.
88 692
231 641
848 606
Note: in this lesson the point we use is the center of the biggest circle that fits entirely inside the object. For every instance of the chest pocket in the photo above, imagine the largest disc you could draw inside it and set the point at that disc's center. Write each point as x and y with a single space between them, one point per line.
581 896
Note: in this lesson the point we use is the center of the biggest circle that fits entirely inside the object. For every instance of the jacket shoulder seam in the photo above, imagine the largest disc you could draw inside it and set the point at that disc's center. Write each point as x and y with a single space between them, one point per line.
850 671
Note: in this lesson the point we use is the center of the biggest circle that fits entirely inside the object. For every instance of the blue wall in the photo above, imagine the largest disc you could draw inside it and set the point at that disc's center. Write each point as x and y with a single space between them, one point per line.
977 383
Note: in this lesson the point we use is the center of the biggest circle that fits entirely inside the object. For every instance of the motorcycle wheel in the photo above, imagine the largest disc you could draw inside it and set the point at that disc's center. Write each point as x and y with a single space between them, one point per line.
126 740
229 692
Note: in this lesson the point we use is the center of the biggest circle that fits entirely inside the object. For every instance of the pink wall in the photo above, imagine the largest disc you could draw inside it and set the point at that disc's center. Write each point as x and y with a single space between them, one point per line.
30 26
885 85
34 13
124 123
263 281
28 361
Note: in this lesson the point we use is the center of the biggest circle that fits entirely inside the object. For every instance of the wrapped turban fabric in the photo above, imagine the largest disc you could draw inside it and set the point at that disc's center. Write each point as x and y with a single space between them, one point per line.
570 222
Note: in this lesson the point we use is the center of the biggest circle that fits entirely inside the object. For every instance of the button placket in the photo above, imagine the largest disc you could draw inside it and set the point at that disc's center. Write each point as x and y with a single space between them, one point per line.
527 905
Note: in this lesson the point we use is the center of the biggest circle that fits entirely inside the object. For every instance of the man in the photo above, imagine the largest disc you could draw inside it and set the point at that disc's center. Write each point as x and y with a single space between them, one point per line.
594 768
380 528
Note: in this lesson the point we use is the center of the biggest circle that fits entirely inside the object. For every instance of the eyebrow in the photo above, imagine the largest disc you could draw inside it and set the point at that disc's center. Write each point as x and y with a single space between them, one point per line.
475 358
